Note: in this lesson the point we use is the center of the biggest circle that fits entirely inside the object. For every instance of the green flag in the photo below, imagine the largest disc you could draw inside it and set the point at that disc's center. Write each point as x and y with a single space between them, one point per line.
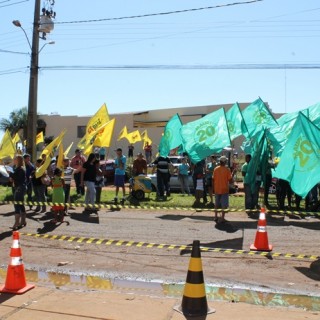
300 160
205 136
257 116
278 135
236 124
257 147
171 137
313 113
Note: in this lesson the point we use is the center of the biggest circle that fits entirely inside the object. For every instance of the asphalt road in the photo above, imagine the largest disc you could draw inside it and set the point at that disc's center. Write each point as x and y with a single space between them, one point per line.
142 261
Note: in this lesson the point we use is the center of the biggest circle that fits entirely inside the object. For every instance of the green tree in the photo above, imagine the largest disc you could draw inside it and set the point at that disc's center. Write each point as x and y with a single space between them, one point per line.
18 121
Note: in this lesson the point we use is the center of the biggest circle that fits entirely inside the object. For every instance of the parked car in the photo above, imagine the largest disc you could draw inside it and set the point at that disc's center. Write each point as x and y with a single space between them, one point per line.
174 182
108 171
107 167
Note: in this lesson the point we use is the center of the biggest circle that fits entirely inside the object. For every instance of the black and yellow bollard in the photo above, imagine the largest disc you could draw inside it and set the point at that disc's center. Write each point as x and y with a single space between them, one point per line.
194 300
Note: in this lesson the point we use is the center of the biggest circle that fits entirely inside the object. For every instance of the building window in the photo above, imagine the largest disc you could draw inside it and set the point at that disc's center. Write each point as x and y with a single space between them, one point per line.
81 130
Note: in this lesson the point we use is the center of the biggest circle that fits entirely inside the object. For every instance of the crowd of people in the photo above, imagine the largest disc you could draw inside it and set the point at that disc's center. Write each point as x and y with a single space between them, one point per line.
213 181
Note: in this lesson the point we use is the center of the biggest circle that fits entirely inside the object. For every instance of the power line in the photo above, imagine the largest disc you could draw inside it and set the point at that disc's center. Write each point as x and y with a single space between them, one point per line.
16 52
186 67
160 13
10 71
12 4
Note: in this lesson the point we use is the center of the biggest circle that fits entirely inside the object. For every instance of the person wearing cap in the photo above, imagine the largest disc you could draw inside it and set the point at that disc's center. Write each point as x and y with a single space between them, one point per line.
76 163
29 171
221 179
139 165
119 174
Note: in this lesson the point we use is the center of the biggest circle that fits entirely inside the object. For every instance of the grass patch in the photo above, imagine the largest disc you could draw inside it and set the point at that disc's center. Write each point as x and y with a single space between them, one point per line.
107 196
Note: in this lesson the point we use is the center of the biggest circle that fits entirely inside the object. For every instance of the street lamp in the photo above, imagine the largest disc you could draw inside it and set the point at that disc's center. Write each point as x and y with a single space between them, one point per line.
50 42
33 82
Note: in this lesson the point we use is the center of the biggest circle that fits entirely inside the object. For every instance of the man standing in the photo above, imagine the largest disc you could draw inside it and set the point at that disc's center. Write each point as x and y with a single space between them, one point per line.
163 166
148 152
248 194
221 179
139 165
29 172
119 174
76 163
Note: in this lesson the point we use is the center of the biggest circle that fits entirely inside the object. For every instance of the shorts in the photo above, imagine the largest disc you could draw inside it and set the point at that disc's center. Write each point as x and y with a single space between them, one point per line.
119 180
222 201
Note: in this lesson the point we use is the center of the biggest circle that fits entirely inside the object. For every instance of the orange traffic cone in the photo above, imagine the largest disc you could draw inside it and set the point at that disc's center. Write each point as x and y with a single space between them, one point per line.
194 301
16 279
261 242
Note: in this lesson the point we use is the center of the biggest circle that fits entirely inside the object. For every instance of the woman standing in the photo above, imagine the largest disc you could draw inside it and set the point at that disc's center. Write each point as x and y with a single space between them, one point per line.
88 177
19 180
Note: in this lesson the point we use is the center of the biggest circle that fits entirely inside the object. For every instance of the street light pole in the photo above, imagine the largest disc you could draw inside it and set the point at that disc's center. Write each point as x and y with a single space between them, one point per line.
33 86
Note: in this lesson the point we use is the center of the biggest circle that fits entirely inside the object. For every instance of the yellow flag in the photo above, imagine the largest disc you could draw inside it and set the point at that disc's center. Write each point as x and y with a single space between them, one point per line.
60 157
49 151
123 133
104 136
41 170
16 139
87 150
133 136
99 118
51 148
68 150
145 138
39 137
7 148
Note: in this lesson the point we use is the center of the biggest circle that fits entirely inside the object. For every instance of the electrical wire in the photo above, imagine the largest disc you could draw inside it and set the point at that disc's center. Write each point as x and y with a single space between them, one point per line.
16 52
160 13
12 4
185 67
10 71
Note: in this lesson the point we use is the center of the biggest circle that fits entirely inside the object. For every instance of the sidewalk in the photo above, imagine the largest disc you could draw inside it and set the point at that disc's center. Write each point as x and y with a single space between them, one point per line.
53 304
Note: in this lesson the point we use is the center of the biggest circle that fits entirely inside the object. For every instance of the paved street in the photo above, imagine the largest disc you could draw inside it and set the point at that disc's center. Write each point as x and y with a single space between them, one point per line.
86 244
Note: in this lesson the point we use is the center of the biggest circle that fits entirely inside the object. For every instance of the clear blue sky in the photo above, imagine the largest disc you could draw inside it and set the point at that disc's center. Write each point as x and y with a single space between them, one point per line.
266 32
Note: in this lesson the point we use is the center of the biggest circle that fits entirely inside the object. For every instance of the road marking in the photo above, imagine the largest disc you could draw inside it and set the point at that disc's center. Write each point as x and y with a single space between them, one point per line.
140 244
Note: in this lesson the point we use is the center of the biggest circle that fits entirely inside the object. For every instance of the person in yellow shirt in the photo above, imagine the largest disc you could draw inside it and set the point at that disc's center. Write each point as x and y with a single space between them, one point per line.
221 179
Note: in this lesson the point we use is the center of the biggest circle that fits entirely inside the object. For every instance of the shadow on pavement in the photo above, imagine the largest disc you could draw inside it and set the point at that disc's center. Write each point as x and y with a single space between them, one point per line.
313 272
85 217
177 217
5 296
5 234
50 226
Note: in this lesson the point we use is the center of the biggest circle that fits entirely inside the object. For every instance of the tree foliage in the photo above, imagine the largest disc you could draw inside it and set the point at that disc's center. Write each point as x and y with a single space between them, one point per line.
17 121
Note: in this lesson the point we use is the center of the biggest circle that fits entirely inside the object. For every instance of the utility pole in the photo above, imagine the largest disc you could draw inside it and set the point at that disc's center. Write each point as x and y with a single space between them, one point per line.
33 86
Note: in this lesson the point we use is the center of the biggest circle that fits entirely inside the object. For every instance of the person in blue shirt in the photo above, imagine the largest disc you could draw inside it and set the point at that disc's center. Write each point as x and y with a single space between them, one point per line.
119 174
183 176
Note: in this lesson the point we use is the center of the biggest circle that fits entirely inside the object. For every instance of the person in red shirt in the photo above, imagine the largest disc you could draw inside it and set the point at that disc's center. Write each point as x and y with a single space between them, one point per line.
139 165
221 179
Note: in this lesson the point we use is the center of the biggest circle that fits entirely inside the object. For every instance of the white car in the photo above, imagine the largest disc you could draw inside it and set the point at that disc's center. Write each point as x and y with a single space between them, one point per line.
174 182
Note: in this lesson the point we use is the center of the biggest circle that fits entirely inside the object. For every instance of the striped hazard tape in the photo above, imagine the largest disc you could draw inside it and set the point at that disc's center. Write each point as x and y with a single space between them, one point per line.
153 208
140 244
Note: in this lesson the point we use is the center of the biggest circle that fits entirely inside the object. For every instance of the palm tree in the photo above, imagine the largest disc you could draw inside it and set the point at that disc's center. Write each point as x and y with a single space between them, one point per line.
18 121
